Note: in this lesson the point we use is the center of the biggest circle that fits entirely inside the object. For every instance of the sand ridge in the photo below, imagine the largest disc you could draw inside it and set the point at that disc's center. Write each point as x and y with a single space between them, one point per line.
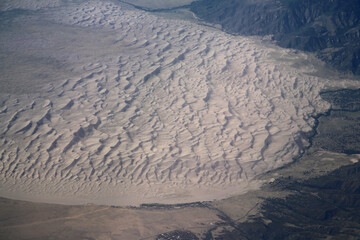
179 113
6 5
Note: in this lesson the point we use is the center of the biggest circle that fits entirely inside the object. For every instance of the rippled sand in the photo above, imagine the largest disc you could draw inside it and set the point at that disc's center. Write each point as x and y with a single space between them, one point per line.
158 111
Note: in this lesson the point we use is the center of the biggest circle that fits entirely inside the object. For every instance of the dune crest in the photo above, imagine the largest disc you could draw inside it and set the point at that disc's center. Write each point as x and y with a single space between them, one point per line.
180 113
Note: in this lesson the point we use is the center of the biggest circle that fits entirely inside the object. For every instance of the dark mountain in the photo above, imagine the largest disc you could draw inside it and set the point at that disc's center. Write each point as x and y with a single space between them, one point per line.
326 207
330 28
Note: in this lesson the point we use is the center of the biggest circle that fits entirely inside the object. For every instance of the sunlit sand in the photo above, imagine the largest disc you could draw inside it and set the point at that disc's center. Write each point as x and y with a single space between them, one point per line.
151 110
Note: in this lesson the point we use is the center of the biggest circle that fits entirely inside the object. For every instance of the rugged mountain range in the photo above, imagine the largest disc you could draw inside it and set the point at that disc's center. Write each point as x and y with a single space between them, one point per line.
330 28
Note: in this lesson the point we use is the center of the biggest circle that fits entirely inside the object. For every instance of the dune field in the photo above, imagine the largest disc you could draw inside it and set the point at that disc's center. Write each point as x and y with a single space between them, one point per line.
146 109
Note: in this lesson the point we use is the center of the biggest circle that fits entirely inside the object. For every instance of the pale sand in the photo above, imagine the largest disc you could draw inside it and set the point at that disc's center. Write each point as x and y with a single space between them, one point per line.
29 4
167 111
159 4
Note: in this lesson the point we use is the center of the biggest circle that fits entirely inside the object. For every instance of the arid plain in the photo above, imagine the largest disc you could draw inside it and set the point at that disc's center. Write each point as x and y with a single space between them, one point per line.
103 103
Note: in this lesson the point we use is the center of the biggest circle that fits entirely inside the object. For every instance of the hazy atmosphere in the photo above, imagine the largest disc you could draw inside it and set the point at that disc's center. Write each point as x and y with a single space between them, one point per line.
116 103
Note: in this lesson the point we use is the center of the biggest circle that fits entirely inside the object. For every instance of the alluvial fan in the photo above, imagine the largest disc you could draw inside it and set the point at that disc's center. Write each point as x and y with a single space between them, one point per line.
167 111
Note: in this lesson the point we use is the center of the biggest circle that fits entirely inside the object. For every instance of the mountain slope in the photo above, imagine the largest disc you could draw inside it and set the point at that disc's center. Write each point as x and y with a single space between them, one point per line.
330 28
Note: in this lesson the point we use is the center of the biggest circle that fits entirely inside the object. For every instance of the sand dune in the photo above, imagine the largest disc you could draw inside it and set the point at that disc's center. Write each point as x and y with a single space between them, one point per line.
29 4
178 113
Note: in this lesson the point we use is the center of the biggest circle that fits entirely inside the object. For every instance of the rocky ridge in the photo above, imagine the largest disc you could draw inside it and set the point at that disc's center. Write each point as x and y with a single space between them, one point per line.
330 28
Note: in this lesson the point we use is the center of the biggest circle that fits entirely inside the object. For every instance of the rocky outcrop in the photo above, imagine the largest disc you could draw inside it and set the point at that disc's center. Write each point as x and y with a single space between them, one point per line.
330 28
319 208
